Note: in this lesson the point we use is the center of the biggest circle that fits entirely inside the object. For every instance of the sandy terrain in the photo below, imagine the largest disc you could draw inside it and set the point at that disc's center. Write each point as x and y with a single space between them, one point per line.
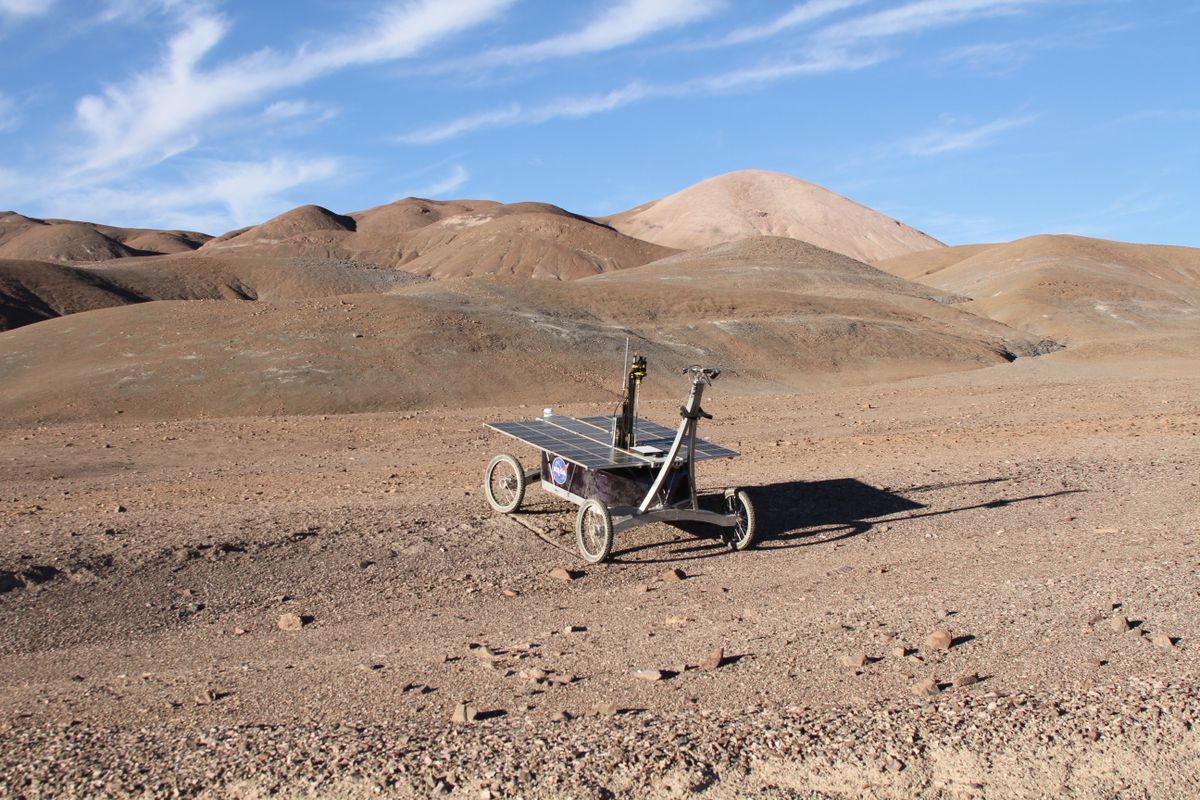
244 550
1022 507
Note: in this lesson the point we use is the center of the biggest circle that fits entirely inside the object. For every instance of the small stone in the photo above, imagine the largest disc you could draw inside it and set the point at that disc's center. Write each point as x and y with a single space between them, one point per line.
606 710
966 679
575 629
1119 623
650 675
940 639
899 652
712 660
239 631
676 619
291 622
560 716
1096 662
1163 641
532 674
510 593
673 575
855 660
562 680
925 688
641 588
463 713
120 509
1106 530
560 574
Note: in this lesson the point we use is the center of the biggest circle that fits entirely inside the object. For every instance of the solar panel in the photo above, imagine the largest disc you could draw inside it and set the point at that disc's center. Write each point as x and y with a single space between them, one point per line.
587 441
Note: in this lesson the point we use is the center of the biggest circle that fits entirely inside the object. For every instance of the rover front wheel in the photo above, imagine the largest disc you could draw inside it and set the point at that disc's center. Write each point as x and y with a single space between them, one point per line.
594 531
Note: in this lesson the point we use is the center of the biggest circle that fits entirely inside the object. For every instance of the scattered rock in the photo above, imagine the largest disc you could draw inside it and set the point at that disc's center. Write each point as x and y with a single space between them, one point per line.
712 660
1119 623
1163 641
966 679
926 688
673 575
606 709
532 674
560 716
560 574
641 588
464 713
650 675
941 639
562 680
855 660
292 622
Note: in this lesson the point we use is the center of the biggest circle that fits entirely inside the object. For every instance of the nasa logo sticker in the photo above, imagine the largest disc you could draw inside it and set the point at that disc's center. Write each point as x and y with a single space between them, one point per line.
558 471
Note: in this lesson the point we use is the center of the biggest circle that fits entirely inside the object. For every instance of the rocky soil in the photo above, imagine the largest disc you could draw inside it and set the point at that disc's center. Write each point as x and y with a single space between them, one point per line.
974 585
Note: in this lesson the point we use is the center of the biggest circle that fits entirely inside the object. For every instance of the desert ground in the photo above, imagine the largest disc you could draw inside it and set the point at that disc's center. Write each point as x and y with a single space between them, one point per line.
244 548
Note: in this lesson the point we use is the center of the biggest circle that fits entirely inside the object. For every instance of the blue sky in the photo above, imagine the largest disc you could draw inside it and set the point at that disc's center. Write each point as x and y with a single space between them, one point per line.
973 120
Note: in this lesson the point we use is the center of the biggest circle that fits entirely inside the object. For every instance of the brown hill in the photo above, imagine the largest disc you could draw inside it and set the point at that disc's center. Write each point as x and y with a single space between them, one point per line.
449 240
1075 289
62 240
916 266
792 317
31 291
756 202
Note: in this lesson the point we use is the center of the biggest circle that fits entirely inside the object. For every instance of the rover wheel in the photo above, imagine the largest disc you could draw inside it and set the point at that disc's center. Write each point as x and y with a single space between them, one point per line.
743 534
594 531
504 483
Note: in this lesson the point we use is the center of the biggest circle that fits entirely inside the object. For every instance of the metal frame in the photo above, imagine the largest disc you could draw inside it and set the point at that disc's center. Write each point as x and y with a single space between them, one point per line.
654 506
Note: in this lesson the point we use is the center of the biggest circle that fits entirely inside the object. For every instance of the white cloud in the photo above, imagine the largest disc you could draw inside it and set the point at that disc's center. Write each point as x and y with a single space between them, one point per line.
457 177
947 139
799 15
9 119
587 105
25 8
625 23
217 197
914 17
161 112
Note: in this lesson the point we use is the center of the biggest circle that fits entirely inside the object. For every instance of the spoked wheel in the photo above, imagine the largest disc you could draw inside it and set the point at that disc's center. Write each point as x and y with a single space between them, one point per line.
504 483
594 531
743 534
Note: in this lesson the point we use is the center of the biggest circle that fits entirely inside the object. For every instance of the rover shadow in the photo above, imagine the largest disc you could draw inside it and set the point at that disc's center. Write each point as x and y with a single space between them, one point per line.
808 513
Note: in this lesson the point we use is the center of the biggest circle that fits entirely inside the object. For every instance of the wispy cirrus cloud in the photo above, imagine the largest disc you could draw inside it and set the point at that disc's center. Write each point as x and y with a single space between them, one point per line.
624 23
577 107
9 118
25 8
212 196
457 176
799 15
161 112
952 137
914 17
845 45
